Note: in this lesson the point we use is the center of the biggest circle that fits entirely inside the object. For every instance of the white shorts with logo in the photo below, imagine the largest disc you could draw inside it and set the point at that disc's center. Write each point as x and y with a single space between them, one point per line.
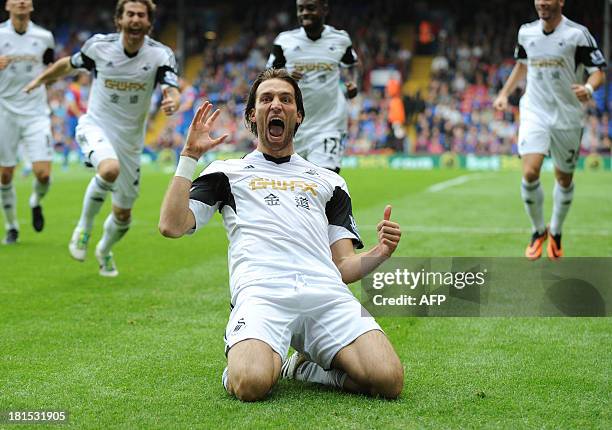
100 144
562 145
315 318
323 149
32 131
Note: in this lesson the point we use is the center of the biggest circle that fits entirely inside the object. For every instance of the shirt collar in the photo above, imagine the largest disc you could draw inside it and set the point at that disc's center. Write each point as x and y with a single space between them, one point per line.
260 155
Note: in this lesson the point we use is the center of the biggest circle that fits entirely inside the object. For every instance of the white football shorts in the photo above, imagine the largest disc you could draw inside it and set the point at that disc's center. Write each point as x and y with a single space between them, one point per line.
32 131
562 145
313 316
100 144
323 149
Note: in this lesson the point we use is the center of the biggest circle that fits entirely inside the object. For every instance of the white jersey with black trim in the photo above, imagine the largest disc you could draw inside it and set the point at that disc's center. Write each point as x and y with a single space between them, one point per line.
121 91
320 61
281 216
554 62
28 54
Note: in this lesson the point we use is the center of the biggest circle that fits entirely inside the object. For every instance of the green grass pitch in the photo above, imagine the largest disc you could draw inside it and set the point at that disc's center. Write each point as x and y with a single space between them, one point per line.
145 350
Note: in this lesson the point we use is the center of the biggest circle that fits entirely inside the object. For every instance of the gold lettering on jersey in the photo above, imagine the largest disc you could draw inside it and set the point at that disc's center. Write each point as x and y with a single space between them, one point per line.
24 58
282 185
124 86
547 62
314 67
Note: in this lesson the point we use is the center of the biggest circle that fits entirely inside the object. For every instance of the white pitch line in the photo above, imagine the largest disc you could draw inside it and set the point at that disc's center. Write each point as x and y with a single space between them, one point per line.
451 183
488 230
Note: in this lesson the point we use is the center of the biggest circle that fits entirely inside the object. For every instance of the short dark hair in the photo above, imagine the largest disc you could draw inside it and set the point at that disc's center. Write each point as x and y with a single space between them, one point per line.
266 75
121 6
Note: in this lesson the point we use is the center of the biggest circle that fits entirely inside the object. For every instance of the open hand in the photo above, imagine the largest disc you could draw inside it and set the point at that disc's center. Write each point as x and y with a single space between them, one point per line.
199 140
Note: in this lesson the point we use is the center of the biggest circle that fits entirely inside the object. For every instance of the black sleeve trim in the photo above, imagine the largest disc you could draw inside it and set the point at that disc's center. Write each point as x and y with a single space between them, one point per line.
48 56
279 57
212 188
339 211
348 58
589 56
166 75
82 61
520 53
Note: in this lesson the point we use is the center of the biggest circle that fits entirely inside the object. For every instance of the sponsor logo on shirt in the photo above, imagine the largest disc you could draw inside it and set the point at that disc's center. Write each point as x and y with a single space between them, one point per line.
315 67
124 86
547 62
283 185
23 58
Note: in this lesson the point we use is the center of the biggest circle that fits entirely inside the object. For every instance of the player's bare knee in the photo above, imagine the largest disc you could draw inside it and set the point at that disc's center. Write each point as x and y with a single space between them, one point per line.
251 385
387 381
564 179
531 174
122 215
109 170
6 176
42 176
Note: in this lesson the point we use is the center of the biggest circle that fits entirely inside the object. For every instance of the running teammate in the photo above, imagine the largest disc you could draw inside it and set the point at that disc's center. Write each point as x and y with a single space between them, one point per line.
553 52
316 54
25 50
126 66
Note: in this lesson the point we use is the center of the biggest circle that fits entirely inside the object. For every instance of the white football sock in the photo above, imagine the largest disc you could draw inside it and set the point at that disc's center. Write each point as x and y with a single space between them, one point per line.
38 192
533 197
312 372
114 230
562 200
96 192
8 196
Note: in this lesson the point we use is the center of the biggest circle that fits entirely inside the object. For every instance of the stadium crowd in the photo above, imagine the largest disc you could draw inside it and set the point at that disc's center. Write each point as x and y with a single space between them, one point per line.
471 60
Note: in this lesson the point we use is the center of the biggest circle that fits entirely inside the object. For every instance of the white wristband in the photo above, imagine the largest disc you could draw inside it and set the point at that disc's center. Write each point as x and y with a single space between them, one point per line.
186 167
589 88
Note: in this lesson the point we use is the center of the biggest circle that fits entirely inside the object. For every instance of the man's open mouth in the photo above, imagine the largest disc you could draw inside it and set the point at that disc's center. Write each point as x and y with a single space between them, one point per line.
276 127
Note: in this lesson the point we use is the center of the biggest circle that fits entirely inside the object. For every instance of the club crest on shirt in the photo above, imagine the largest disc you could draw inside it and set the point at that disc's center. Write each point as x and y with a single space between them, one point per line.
241 323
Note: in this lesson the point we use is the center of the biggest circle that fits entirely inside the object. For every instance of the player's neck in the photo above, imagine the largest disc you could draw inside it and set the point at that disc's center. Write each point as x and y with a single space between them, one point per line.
280 153
550 25
132 46
20 23
314 34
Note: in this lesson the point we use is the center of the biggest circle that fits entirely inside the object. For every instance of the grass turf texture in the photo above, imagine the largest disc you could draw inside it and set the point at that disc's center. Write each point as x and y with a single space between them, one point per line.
145 350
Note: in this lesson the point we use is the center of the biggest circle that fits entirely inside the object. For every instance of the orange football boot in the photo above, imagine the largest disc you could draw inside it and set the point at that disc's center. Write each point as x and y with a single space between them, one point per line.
534 249
554 249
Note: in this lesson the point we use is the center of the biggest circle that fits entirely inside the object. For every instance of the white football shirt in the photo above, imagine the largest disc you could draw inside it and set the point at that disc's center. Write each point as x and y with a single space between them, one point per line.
320 60
29 54
554 62
123 84
281 216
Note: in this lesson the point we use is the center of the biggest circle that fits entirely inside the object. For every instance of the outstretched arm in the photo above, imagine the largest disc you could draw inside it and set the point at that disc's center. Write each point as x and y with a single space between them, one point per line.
60 68
353 266
176 218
